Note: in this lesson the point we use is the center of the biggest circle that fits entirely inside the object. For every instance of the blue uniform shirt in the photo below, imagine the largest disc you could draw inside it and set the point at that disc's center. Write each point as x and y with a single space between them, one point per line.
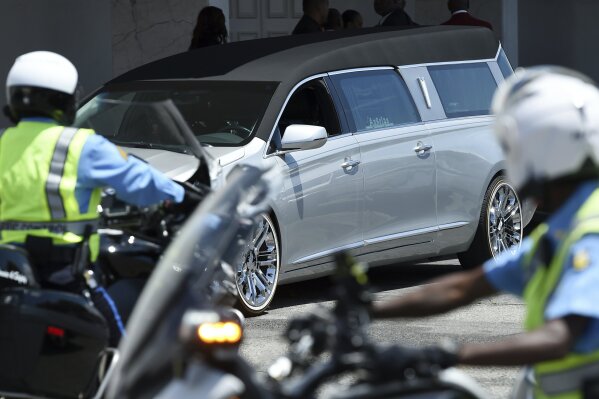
102 165
577 292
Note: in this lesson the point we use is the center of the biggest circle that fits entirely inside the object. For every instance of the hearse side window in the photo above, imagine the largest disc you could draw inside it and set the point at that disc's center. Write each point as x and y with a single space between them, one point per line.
376 100
311 104
504 65
464 89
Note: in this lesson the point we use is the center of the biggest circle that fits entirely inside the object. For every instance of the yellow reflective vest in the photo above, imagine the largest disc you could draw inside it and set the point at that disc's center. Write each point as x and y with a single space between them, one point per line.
562 378
39 163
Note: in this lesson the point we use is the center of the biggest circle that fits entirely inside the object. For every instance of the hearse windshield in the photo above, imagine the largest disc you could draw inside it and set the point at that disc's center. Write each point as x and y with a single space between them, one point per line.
219 113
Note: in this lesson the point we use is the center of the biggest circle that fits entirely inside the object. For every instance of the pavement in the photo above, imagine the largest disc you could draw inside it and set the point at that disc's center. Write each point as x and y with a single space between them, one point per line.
483 321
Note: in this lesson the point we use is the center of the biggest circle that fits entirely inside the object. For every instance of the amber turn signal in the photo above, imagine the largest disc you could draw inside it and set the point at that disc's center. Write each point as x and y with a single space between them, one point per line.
220 333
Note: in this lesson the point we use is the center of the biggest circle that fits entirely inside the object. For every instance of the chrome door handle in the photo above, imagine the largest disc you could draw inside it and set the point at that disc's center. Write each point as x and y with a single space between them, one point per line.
350 164
427 97
421 148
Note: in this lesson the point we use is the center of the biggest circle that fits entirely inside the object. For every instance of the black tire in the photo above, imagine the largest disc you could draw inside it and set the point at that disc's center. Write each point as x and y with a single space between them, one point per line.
482 247
254 306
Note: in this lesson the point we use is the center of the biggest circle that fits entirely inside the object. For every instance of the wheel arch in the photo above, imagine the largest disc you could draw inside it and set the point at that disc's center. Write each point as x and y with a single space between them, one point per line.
494 173
272 213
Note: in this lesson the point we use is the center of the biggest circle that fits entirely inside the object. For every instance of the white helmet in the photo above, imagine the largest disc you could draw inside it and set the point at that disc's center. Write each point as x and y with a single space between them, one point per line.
42 83
547 122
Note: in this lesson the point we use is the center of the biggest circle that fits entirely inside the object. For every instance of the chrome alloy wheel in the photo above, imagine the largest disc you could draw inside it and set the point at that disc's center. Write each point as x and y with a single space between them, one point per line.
504 220
258 269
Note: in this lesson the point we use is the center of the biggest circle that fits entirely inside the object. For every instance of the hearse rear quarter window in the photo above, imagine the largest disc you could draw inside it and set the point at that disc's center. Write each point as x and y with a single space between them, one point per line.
504 65
464 89
376 100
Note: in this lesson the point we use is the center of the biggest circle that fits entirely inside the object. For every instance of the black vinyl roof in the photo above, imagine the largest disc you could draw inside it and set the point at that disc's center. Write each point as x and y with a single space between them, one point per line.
289 57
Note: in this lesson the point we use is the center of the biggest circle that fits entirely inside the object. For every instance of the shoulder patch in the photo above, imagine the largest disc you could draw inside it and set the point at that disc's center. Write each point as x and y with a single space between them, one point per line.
581 260
123 153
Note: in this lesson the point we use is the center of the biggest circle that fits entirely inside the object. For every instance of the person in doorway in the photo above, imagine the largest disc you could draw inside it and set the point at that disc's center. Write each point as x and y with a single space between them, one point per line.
547 122
352 19
314 18
392 13
460 15
210 29
51 177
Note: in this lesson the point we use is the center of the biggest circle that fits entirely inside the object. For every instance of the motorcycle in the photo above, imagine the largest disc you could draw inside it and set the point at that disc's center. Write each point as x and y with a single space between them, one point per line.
183 338
328 345
55 343
193 288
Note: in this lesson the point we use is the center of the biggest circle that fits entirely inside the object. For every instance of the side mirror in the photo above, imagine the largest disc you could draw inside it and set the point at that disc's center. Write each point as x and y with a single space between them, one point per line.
303 137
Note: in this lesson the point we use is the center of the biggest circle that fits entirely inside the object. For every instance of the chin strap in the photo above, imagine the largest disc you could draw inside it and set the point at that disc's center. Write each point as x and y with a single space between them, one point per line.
7 112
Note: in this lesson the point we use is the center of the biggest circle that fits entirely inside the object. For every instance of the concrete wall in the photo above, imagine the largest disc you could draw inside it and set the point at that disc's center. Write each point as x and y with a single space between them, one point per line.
553 32
78 29
146 30
102 38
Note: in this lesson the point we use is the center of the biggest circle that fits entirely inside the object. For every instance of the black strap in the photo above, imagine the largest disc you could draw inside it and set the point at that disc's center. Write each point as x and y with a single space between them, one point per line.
79 228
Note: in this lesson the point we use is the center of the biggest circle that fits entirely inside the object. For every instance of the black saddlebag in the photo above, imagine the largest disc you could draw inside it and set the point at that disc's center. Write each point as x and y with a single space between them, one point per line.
50 343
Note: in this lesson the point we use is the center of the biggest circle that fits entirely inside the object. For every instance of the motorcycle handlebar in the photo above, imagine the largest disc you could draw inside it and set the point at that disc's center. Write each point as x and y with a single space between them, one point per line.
342 333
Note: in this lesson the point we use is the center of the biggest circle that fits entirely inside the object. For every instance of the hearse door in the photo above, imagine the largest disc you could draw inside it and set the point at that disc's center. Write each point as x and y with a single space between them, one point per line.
398 161
321 208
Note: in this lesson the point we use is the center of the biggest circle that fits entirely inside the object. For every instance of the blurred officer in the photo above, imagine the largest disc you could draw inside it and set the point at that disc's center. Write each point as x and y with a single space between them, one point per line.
51 174
548 125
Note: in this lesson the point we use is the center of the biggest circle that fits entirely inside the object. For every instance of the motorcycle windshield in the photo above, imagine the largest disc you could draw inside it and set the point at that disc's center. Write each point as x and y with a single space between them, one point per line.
189 276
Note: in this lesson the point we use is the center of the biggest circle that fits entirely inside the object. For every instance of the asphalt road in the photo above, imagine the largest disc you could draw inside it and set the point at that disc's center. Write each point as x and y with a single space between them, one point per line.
483 321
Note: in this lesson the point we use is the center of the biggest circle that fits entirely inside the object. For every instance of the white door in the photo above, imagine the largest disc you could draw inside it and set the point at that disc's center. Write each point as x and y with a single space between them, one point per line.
254 19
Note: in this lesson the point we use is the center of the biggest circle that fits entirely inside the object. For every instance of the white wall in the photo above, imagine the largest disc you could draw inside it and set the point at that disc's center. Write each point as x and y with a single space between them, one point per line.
78 29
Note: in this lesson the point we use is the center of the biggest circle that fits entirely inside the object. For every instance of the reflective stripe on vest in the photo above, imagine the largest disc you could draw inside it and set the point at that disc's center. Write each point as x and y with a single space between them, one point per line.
57 164
562 378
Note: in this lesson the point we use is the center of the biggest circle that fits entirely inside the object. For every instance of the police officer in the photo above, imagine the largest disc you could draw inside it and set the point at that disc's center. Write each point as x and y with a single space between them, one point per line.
51 174
548 125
